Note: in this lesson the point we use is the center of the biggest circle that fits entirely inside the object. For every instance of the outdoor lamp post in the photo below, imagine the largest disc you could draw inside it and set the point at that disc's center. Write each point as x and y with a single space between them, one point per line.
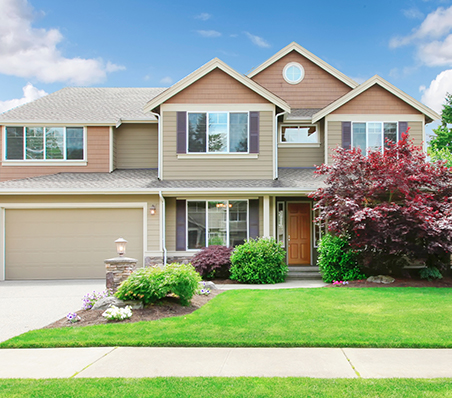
121 246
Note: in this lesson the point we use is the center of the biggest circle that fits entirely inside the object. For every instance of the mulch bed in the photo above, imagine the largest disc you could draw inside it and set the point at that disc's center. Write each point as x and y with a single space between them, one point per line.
400 282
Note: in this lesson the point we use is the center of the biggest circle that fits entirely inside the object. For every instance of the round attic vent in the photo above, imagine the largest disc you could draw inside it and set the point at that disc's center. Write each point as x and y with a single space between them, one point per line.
293 73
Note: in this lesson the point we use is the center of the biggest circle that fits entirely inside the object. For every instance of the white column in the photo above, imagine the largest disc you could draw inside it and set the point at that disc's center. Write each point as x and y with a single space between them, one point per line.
2 245
266 216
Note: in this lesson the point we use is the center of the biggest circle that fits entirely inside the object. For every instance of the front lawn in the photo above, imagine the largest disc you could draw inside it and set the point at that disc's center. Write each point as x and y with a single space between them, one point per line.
328 317
226 387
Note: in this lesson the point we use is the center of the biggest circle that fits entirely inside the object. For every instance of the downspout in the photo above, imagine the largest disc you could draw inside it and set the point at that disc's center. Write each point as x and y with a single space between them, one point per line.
163 229
159 152
275 172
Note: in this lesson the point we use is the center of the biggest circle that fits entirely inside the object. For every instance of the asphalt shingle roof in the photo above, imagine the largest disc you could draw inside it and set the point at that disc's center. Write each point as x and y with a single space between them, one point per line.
301 113
289 178
86 105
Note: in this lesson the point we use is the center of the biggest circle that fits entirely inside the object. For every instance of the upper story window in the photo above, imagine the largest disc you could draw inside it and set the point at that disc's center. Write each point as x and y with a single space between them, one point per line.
218 132
302 134
44 143
293 73
373 135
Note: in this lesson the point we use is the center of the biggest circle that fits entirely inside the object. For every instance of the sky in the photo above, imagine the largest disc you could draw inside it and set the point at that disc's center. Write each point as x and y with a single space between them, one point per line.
46 45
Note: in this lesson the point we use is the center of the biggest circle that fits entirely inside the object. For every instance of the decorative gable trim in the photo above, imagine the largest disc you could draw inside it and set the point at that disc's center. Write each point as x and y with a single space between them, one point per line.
313 58
204 70
431 115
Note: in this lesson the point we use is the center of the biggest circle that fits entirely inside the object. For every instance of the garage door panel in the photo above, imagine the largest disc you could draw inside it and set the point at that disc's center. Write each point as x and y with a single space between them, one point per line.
68 243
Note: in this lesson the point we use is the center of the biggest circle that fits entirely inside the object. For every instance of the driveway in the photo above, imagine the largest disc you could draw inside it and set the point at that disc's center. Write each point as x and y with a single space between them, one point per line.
28 305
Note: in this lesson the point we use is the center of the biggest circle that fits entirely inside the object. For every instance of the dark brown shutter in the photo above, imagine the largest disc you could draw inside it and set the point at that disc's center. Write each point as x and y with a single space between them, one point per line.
181 132
254 132
346 135
180 225
254 218
403 127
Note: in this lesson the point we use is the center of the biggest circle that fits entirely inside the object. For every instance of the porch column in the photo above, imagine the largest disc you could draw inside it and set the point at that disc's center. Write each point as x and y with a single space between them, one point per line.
266 216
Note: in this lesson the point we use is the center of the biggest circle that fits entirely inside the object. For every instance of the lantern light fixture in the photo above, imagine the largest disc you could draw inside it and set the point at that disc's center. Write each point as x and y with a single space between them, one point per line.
121 246
152 210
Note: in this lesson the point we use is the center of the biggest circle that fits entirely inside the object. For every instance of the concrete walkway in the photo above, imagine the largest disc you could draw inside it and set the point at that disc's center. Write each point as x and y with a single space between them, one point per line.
225 362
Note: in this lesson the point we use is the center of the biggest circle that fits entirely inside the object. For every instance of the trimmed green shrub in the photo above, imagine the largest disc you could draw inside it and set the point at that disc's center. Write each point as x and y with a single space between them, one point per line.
259 261
430 273
213 261
337 262
154 283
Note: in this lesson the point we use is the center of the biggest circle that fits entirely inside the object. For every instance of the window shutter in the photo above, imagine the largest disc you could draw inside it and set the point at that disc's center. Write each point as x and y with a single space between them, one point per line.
403 127
346 135
180 225
254 218
254 132
181 132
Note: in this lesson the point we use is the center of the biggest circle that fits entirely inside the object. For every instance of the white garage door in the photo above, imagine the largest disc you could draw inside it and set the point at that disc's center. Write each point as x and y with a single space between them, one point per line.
68 243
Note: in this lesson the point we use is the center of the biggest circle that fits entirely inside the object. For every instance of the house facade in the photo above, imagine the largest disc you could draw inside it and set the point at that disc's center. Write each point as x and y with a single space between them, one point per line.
217 158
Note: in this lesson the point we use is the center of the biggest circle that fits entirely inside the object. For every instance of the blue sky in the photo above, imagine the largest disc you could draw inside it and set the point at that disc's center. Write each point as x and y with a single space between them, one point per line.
46 45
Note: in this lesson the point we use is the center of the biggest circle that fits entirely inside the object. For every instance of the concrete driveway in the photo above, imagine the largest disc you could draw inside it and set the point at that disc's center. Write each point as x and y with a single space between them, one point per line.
28 305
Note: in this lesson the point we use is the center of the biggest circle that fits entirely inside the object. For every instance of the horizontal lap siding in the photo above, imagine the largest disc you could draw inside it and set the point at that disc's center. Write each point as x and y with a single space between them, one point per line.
416 132
301 157
97 156
136 146
316 90
376 100
153 237
217 168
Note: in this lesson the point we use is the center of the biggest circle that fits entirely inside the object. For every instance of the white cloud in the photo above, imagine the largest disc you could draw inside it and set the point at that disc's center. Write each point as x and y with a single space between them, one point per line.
413 13
435 95
359 80
209 33
31 93
258 41
204 16
166 80
32 52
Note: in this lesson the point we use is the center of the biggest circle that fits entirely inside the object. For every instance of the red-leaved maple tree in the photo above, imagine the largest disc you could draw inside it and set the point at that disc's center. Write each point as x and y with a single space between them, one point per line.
391 205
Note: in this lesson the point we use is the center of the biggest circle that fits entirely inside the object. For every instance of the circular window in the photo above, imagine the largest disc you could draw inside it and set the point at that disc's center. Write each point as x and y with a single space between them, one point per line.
293 73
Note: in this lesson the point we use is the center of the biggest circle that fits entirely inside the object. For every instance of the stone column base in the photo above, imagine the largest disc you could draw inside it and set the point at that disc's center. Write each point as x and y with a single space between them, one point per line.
118 270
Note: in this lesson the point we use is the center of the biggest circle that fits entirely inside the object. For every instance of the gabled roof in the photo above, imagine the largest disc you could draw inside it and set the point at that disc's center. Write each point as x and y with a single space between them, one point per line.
313 58
204 70
103 105
384 84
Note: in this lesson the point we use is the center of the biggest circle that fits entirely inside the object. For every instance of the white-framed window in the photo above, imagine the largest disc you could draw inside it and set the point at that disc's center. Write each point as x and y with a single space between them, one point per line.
299 134
373 135
218 132
293 73
216 222
44 143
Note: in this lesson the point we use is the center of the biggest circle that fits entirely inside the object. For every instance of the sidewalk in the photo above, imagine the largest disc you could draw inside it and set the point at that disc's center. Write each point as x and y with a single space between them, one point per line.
225 362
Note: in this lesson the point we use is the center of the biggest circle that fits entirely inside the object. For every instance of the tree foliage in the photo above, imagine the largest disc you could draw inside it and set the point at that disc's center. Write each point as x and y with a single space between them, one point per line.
443 138
393 205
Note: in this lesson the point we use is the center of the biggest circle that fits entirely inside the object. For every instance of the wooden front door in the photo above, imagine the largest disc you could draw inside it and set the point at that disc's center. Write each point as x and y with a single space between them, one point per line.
299 233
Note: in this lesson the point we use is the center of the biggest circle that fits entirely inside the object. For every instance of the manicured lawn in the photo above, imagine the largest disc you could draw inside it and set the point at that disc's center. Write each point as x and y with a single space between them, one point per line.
334 317
226 387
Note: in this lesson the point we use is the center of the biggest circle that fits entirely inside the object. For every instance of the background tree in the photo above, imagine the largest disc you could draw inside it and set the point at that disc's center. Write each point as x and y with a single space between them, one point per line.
391 205
443 137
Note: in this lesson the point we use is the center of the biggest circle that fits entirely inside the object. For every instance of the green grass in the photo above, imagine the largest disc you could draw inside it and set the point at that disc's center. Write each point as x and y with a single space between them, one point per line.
335 317
226 387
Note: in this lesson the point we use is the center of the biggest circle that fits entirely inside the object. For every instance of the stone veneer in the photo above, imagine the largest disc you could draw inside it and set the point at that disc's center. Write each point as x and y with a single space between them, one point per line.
118 270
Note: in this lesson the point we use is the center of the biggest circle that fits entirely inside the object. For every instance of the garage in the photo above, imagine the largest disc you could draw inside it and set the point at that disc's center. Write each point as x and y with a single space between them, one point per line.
68 243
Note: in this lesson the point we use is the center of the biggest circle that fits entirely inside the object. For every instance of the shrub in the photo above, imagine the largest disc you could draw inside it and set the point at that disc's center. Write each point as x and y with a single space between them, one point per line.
154 283
213 261
337 262
259 261
430 273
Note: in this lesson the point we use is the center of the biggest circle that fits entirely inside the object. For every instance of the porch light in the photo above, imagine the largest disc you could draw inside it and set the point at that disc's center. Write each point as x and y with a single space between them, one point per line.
121 246
152 210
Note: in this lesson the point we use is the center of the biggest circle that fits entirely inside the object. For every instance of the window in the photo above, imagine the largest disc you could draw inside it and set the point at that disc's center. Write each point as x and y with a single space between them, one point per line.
293 73
218 132
373 135
216 223
44 143
299 134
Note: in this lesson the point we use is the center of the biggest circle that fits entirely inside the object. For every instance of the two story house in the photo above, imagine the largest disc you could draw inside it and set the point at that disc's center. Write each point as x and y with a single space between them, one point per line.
217 158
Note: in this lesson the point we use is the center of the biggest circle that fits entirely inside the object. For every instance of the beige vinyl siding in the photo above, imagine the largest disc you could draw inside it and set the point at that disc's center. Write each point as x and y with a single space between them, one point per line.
416 132
292 156
153 234
217 168
97 156
68 243
136 146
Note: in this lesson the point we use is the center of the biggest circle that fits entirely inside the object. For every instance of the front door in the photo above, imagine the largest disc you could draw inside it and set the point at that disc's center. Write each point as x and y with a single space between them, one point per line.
299 233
